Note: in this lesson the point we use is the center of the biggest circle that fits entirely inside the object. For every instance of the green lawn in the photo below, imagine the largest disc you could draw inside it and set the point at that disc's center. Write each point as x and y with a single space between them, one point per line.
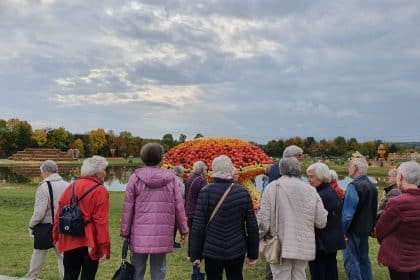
16 205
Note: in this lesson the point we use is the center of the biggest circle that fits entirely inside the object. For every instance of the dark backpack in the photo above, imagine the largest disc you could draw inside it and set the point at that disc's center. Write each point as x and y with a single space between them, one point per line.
70 221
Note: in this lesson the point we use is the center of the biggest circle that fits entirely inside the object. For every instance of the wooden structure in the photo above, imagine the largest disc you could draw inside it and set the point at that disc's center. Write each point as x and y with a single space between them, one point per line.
32 154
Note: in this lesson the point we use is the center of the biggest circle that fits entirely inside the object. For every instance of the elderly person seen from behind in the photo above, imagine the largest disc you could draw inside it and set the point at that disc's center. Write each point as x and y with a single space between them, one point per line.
331 238
232 234
179 172
82 253
43 214
398 228
299 211
153 208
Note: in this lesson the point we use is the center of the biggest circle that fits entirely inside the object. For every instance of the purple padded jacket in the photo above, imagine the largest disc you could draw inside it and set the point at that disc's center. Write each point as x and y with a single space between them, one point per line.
153 205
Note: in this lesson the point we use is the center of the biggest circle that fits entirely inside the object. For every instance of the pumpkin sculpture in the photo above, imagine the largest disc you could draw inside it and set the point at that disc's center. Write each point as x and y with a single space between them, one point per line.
248 159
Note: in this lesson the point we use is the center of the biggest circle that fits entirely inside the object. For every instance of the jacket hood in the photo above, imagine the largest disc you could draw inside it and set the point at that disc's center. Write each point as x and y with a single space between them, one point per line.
155 177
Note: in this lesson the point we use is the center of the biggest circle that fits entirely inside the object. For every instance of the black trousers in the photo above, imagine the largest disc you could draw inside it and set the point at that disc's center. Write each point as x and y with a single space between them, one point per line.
324 267
396 275
233 268
76 260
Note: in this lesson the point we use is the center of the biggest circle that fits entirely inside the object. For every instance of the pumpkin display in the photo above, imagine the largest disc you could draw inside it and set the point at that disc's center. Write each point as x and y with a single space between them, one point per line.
248 159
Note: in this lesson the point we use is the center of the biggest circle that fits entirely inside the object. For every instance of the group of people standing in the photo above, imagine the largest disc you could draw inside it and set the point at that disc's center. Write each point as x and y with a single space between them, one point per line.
312 218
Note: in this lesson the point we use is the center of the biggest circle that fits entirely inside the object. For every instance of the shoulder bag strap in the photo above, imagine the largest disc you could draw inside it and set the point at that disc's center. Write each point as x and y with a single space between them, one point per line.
88 191
219 204
51 200
276 217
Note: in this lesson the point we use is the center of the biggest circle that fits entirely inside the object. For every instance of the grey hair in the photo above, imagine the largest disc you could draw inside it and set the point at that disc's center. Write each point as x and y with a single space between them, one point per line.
322 172
410 171
179 170
334 175
49 166
93 165
199 167
292 151
290 166
392 172
222 167
360 164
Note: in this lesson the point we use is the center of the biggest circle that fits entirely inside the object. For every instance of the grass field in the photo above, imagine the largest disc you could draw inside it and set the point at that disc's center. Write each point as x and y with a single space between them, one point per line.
16 206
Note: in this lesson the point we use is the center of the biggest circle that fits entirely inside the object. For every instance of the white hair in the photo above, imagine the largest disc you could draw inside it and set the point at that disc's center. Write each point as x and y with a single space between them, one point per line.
334 175
179 170
360 164
410 171
49 166
199 167
292 151
322 172
392 172
290 166
93 165
222 167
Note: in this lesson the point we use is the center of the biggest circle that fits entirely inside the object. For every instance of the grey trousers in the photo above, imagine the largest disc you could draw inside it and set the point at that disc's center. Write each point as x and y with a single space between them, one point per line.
37 260
157 266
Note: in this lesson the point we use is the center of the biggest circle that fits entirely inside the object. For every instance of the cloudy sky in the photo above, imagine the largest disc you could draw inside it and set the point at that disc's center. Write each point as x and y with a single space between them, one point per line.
256 70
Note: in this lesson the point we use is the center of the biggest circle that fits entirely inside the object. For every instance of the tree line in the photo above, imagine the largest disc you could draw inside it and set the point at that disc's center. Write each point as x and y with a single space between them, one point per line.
16 135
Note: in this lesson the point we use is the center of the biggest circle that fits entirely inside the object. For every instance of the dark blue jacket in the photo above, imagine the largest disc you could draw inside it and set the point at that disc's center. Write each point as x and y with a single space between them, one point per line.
331 238
273 172
232 233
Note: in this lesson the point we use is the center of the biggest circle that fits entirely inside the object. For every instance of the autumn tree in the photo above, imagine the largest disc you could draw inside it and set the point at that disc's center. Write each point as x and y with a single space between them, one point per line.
198 135
97 140
15 136
39 138
78 144
182 138
59 138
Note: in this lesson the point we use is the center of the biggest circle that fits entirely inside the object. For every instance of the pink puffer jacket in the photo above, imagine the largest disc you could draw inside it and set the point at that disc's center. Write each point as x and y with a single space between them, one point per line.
153 205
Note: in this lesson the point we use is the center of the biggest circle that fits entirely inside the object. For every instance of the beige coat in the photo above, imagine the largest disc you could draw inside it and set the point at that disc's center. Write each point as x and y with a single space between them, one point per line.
300 210
42 208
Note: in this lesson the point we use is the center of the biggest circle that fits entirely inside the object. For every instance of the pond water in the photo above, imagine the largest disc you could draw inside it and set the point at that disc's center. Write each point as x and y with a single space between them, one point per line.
116 178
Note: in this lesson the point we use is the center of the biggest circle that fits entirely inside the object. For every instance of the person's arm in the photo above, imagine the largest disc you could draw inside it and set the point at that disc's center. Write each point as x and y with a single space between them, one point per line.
128 208
351 199
180 217
252 230
389 220
42 200
321 214
198 228
100 217
264 213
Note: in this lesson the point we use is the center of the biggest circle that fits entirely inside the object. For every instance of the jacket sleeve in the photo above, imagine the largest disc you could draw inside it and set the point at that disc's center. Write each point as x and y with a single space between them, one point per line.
351 199
180 217
252 230
321 214
57 215
389 221
100 217
42 200
198 227
264 214
128 208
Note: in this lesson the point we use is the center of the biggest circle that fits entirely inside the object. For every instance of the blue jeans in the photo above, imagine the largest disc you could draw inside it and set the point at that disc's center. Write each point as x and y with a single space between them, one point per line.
356 258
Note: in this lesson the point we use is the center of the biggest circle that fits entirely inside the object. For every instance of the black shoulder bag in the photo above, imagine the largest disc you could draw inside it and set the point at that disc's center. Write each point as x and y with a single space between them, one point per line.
43 232
126 269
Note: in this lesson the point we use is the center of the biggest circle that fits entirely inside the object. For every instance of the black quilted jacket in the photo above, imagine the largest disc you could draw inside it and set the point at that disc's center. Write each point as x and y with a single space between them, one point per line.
232 233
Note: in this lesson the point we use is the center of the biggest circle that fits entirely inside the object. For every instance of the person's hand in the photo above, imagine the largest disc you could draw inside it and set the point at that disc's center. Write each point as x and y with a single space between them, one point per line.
31 234
184 238
251 262
89 249
197 263
103 258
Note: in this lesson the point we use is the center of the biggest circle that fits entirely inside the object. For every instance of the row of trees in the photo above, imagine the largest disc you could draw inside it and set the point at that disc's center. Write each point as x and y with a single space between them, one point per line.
16 135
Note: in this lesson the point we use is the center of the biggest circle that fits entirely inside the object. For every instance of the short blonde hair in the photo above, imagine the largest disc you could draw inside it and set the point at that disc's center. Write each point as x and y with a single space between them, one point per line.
322 172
